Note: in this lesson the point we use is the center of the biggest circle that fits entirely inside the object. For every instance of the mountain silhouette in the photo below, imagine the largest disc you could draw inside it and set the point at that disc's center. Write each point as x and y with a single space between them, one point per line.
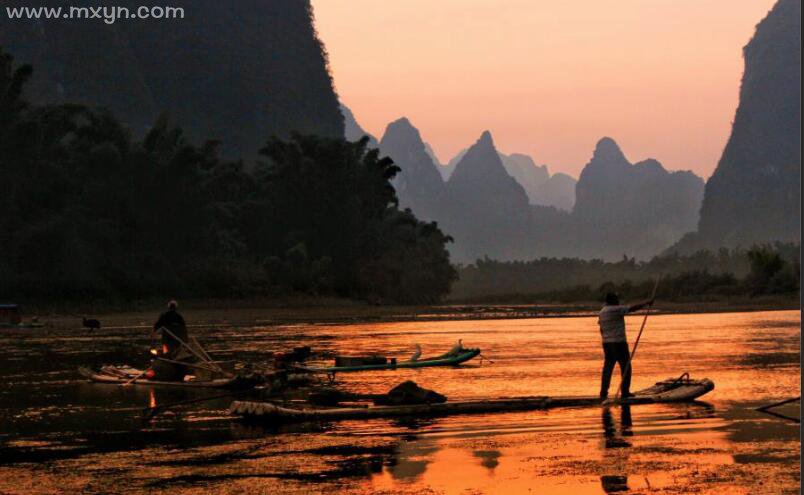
352 130
237 71
621 208
634 209
529 175
487 210
430 151
754 195
418 185
446 169
558 191
542 189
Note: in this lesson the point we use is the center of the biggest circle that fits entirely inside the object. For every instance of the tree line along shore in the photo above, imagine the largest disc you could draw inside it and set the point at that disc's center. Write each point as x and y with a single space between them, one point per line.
92 214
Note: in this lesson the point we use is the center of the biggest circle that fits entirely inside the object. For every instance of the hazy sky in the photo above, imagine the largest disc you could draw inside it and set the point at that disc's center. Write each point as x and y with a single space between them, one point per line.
547 78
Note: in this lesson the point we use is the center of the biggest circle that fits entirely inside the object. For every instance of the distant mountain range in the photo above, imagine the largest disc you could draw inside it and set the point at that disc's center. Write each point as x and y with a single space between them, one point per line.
622 208
634 209
558 191
543 189
219 77
754 196
529 175
493 203
487 210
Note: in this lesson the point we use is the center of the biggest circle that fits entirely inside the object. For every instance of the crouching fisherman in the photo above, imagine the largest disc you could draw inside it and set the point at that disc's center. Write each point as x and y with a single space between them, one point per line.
167 363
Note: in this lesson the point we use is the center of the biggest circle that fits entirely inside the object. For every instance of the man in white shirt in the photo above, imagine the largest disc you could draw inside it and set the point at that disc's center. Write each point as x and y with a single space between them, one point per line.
615 344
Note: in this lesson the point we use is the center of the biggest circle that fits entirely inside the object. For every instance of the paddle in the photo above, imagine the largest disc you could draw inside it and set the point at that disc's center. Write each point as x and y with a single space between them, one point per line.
636 342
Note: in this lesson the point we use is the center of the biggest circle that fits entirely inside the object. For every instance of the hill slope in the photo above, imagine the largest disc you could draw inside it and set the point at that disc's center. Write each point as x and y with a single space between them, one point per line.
237 71
754 194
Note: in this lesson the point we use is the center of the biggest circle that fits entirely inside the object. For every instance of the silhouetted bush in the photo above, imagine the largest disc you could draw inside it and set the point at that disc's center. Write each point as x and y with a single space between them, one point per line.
769 269
771 273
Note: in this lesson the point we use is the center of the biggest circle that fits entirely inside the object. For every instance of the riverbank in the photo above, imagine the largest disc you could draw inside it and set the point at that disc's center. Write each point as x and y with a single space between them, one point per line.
306 309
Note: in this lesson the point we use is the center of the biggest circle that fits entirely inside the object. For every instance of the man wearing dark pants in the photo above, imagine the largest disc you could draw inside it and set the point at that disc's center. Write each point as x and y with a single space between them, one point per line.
615 344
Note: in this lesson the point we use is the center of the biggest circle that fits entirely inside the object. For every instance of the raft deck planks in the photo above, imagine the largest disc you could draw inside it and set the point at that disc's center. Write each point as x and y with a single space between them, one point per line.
665 391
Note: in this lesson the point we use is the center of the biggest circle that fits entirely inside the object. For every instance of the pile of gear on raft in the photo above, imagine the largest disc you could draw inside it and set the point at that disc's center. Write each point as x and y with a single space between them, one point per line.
286 389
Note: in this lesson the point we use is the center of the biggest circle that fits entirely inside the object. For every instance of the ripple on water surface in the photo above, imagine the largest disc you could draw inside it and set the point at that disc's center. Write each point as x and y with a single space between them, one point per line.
60 433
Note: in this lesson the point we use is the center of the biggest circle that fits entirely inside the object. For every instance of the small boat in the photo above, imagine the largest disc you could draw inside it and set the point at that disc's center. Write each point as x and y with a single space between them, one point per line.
119 375
670 390
681 389
449 359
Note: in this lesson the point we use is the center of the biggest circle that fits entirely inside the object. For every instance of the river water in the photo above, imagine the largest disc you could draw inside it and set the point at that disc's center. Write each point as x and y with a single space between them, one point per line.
59 433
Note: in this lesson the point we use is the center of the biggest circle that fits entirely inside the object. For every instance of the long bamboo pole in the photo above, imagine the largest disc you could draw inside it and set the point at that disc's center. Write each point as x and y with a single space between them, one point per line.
194 341
135 378
636 342
193 351
191 365
777 404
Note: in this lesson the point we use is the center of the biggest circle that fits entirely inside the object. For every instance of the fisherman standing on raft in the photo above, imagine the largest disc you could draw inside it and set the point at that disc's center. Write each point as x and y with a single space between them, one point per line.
171 325
615 345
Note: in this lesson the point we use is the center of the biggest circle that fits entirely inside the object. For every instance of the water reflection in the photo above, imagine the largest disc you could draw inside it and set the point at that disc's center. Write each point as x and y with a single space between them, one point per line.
56 430
411 460
614 483
616 479
488 458
614 437
413 423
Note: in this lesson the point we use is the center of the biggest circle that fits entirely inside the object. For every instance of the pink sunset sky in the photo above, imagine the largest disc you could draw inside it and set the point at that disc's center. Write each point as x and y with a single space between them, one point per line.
547 78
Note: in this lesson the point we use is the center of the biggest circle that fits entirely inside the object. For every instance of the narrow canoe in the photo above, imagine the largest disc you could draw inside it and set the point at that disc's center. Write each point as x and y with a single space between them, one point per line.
671 390
125 375
445 360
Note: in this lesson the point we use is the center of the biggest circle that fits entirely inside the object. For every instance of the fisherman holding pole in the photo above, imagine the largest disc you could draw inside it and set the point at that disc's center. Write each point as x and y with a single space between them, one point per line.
174 322
615 345
174 334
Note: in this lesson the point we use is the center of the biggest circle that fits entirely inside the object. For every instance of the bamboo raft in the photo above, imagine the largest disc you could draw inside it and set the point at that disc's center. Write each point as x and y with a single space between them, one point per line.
670 390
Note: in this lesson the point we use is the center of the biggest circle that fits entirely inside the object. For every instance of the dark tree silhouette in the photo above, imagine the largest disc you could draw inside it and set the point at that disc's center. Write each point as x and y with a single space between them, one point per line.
89 212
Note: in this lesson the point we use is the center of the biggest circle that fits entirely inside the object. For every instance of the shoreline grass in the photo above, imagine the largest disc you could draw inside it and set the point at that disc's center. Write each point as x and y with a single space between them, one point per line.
311 309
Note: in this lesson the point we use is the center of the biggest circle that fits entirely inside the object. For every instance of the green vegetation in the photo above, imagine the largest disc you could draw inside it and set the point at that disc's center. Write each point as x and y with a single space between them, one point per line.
760 270
89 213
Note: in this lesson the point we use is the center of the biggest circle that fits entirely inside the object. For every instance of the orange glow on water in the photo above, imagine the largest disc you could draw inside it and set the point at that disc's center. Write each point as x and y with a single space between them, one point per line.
92 435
